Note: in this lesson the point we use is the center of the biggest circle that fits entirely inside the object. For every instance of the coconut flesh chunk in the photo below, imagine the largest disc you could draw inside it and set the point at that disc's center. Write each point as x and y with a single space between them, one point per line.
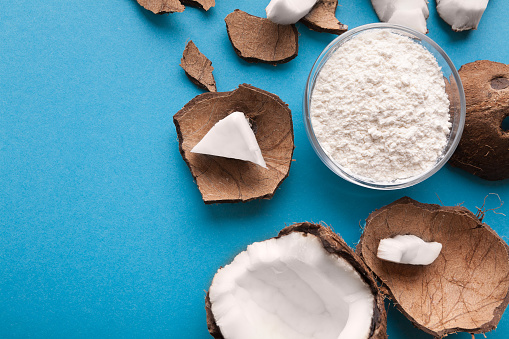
462 14
291 287
408 249
286 12
231 137
410 13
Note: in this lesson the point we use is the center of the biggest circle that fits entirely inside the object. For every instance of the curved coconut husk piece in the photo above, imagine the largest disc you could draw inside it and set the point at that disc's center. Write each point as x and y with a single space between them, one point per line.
231 180
257 39
335 245
203 4
162 6
198 67
465 289
322 18
484 146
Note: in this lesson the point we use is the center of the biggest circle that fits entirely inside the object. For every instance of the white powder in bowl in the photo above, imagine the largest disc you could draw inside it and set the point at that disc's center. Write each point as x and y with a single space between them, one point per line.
379 107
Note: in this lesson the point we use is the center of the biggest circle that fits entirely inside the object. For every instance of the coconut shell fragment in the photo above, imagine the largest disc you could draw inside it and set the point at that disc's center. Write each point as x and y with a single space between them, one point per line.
335 246
484 146
198 67
322 18
465 289
162 6
230 180
257 39
203 4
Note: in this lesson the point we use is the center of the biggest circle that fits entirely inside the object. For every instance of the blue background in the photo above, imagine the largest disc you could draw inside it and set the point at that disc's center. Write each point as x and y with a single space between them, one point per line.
103 232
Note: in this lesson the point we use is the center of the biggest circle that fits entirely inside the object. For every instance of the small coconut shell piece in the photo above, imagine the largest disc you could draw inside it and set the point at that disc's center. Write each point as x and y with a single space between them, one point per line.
257 39
336 246
465 289
162 6
230 180
322 18
203 4
484 146
198 67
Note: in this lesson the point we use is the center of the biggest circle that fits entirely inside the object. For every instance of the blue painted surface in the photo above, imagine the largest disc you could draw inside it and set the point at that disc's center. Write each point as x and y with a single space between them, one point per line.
102 230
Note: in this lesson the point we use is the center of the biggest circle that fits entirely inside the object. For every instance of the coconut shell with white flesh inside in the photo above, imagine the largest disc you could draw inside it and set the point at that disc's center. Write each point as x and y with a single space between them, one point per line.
484 146
466 289
221 179
305 283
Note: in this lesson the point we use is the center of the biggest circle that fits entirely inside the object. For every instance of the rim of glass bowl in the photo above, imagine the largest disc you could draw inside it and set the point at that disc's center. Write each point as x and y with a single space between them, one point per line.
315 71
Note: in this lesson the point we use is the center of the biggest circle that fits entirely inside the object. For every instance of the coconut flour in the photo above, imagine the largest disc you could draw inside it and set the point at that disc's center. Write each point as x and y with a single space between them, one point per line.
379 107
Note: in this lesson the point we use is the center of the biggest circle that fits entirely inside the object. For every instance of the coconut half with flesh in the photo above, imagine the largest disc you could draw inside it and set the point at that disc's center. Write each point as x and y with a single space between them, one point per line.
222 179
305 283
466 289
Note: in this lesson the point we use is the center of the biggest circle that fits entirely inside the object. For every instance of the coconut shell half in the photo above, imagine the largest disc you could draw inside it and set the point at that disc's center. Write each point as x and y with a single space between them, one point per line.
230 180
322 18
256 39
484 146
465 289
334 245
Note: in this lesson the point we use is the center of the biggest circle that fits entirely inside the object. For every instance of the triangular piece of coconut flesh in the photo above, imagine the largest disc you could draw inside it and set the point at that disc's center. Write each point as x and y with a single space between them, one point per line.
231 137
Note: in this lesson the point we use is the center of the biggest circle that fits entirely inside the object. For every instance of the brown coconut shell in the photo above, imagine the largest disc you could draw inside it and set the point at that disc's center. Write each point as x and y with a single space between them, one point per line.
203 4
465 289
162 6
257 39
484 146
322 18
230 180
335 245
198 67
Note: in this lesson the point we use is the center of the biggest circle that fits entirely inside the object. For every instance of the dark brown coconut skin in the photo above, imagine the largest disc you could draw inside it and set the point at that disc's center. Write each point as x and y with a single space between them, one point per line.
484 147
335 245
223 180
455 281
256 39
198 67
162 6
322 18
203 4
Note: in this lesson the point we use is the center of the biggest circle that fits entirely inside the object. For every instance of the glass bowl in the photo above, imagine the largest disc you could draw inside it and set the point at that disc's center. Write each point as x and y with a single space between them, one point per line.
454 90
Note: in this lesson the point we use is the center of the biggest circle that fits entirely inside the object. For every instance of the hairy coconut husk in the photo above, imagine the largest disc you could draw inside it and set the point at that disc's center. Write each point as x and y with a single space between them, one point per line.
162 6
484 147
465 289
257 39
335 245
231 180
203 4
198 67
322 18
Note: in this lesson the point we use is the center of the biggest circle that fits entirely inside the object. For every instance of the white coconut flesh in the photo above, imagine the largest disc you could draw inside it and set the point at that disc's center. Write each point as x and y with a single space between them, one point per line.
410 13
291 288
462 14
231 137
408 249
286 12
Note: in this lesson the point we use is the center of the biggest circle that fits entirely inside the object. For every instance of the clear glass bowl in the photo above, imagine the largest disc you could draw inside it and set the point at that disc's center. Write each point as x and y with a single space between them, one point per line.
455 92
